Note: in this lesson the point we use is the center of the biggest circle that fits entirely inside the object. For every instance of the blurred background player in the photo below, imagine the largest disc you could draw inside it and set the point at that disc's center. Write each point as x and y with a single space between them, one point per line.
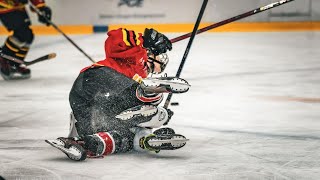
14 17
115 105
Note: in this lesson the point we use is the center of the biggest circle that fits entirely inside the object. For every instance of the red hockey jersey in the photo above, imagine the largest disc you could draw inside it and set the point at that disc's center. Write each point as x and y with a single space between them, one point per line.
124 53
13 5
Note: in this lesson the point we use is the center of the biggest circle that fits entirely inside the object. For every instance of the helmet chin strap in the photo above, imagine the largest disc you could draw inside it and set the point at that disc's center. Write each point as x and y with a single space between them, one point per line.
162 61
151 67
153 59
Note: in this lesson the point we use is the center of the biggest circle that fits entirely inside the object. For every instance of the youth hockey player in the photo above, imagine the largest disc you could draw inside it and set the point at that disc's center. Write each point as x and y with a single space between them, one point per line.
115 105
14 17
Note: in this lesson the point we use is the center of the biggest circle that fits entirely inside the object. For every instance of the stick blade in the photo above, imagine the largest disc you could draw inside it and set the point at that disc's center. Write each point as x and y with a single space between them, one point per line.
52 55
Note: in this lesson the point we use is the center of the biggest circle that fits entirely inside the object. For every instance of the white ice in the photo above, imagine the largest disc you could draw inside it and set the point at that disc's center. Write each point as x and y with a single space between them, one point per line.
253 111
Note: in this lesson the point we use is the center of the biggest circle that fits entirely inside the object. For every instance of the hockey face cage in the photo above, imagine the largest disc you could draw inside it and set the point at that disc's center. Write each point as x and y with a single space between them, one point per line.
163 60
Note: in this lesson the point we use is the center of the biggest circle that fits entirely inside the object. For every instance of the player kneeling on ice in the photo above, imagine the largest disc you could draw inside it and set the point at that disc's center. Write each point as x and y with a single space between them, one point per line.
115 104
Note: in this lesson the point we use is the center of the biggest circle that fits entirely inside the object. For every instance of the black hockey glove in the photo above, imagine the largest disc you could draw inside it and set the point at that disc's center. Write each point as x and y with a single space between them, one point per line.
170 114
46 15
24 1
156 42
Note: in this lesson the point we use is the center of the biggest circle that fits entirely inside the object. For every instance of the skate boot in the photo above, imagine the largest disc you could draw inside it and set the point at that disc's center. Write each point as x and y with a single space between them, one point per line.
5 69
10 71
164 131
72 147
163 139
165 85
21 72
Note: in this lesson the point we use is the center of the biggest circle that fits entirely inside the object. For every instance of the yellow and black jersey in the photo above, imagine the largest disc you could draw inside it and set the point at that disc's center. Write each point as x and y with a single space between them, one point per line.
13 5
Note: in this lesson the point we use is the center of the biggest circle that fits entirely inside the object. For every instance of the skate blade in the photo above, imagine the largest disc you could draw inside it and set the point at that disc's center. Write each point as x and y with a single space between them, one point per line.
174 85
15 77
176 142
71 152
55 142
57 145
168 141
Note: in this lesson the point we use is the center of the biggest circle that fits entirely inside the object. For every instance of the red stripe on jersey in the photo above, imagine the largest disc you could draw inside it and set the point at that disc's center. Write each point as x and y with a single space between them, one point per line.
108 141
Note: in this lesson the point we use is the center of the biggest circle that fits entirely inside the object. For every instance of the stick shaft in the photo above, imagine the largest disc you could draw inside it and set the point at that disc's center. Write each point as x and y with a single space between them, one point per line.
28 63
19 61
42 58
60 31
235 18
184 58
227 21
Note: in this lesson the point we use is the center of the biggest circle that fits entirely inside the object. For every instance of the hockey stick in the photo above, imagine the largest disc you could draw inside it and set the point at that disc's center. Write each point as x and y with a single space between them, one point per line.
60 31
235 18
28 63
193 34
227 21
42 58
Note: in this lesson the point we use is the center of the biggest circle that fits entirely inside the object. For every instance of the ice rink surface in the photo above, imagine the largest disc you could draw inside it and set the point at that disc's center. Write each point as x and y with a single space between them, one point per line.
253 111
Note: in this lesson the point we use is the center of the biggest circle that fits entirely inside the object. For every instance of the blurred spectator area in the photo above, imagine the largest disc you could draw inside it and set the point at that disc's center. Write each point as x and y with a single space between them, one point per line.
82 16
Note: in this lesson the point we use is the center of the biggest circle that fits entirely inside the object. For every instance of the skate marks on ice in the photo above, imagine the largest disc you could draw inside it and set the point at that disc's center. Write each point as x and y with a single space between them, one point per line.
205 157
21 150
132 165
14 121
16 156
32 159
231 154
27 171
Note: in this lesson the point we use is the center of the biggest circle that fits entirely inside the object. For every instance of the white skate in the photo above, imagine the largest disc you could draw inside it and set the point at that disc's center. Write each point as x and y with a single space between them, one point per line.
165 85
